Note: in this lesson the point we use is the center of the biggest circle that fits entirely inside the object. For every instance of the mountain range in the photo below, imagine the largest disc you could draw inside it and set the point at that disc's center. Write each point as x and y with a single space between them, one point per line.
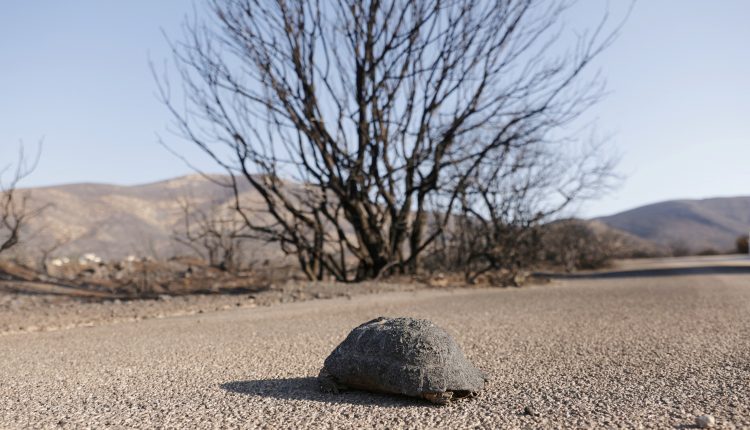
116 221
689 225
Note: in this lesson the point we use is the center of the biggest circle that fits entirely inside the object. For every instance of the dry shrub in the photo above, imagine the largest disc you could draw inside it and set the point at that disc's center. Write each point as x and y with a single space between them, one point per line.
742 244
146 278
574 245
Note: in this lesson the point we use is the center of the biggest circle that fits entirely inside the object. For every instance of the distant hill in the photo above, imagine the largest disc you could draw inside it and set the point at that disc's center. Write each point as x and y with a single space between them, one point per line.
695 225
116 221
625 244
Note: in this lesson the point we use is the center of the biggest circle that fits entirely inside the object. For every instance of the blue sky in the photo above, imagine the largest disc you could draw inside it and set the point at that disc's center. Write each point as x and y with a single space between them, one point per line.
77 74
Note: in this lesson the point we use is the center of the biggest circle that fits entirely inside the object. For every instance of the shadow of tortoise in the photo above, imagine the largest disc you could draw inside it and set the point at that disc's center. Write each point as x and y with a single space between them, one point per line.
308 389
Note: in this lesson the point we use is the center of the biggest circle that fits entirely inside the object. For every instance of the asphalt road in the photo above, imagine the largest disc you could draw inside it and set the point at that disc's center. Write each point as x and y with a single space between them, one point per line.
602 353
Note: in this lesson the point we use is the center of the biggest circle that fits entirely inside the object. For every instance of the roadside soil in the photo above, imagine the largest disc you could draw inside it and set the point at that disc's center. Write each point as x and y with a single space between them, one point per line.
49 309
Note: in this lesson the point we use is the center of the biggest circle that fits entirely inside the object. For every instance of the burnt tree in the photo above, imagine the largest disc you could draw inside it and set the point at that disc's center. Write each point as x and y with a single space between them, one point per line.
507 203
215 233
361 123
15 207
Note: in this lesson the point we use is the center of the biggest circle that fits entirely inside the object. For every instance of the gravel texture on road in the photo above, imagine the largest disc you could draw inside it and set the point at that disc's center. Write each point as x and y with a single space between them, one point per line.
582 353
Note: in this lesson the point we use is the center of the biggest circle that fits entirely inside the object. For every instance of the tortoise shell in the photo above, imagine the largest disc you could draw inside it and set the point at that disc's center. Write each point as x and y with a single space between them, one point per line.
402 356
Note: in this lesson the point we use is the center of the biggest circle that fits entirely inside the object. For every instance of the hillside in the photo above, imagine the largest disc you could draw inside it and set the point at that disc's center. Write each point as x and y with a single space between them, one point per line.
696 225
116 221
624 244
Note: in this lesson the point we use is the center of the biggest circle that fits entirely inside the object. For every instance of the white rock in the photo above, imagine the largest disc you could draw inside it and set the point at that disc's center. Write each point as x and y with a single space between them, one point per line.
705 421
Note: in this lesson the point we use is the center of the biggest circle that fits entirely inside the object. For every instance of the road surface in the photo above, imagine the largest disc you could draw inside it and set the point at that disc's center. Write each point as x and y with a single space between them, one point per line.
629 351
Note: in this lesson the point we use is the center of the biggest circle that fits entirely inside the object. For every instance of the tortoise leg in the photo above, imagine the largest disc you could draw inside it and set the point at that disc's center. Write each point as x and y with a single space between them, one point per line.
329 384
441 398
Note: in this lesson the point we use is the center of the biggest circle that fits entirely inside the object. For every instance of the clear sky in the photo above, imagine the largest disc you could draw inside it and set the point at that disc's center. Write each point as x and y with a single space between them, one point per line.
76 73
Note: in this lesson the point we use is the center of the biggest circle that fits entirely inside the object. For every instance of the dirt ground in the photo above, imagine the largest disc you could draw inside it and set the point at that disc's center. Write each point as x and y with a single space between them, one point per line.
44 311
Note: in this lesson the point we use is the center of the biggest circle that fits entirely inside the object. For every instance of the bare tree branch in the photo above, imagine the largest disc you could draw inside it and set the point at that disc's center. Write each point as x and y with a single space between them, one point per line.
215 234
357 121
15 208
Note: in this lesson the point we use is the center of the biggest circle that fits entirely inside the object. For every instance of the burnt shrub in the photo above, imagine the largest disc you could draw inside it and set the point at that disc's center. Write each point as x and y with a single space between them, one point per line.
742 244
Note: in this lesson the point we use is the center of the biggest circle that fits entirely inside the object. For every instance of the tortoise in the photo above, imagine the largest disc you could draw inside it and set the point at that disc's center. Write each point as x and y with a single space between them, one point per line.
406 356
